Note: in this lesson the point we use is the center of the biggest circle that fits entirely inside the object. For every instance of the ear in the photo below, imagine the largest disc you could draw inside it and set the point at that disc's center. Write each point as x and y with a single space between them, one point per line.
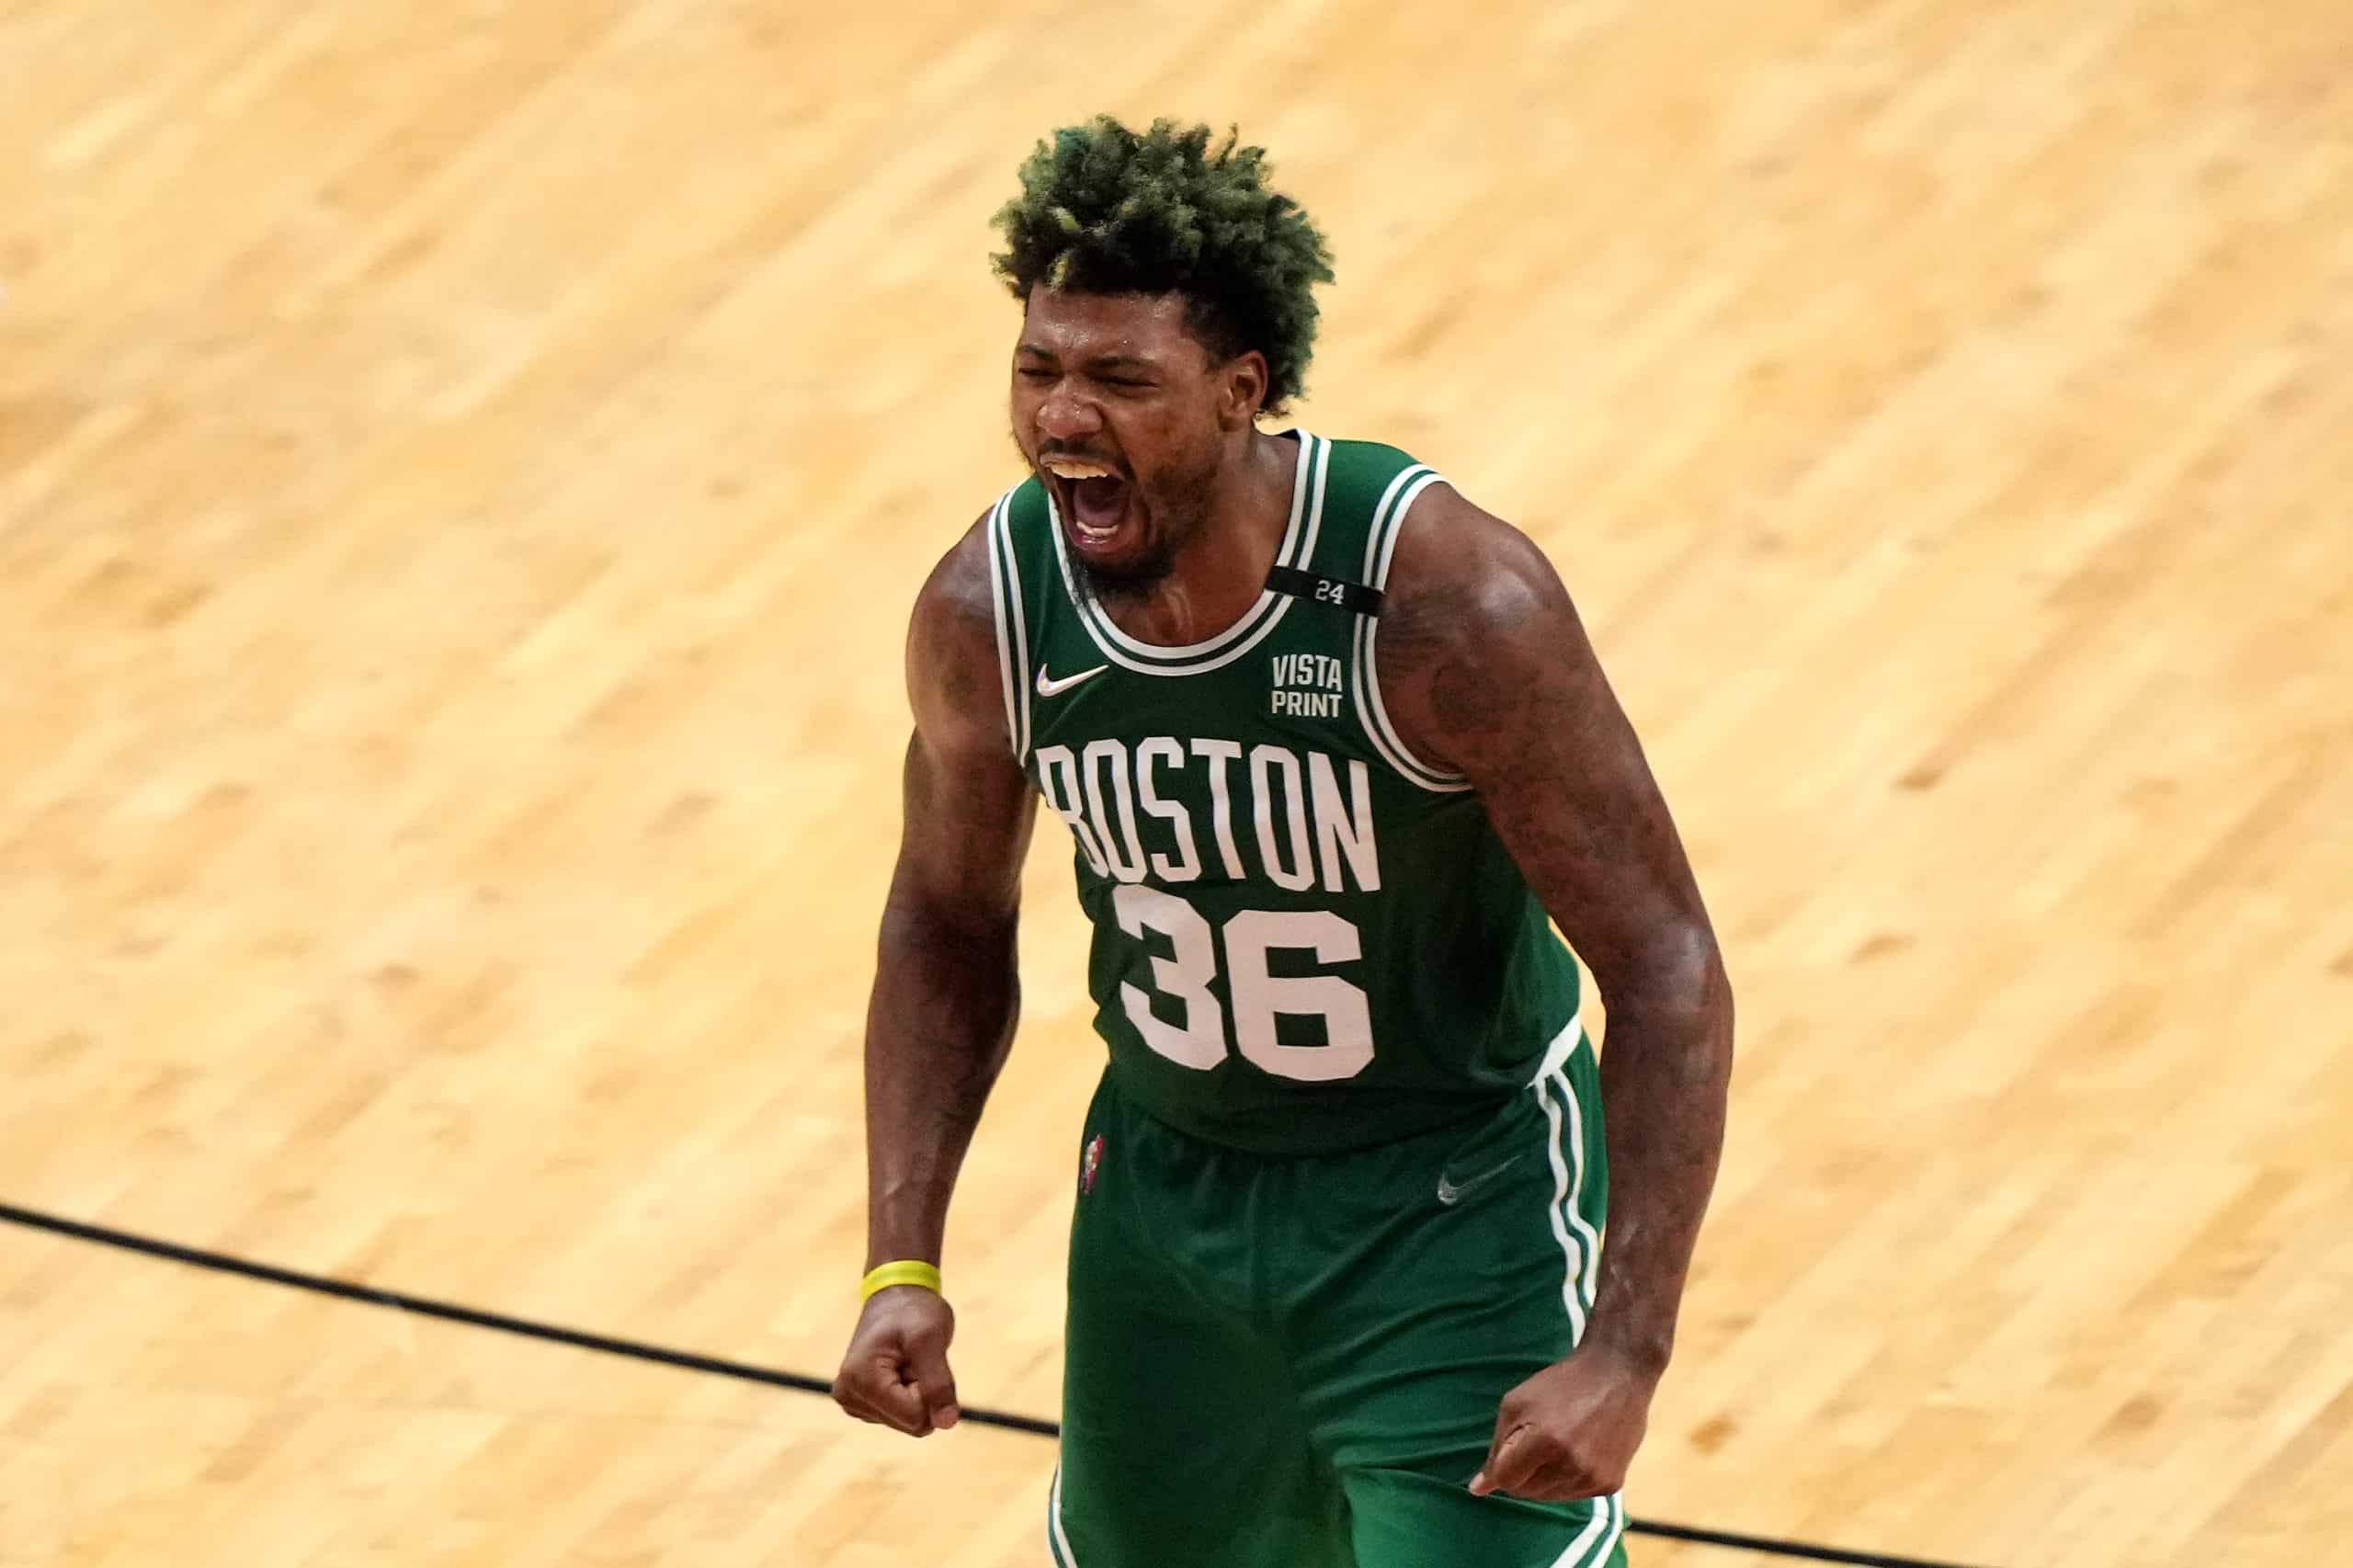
1243 392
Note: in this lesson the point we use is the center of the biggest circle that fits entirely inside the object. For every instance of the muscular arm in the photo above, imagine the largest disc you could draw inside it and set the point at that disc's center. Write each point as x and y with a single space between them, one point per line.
941 1016
1487 670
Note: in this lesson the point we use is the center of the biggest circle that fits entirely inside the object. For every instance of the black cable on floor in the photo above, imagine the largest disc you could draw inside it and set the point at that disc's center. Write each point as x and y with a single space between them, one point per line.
449 1312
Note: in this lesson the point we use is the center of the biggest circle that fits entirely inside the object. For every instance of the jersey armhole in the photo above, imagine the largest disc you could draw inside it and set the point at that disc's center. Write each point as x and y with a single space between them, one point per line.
1011 627
1380 543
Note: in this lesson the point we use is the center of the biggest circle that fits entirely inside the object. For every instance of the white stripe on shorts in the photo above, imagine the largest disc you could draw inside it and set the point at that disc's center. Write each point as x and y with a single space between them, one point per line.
1581 1248
1565 1197
1556 1054
1056 1541
1599 1537
1575 1212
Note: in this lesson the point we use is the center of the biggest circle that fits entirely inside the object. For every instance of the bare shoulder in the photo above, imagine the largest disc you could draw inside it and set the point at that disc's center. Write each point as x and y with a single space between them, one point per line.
1478 632
952 668
1462 573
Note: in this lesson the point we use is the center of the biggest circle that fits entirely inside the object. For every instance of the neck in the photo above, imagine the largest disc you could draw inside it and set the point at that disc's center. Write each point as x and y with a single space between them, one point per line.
1219 573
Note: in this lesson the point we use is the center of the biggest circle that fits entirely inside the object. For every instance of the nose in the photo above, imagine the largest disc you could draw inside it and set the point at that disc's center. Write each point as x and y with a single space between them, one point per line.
1064 416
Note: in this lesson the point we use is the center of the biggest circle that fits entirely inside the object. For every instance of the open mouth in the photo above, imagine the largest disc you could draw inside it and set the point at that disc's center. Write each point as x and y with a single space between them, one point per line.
1093 500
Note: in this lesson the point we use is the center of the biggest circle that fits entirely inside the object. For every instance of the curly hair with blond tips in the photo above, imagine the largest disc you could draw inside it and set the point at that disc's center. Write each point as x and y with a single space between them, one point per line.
1105 210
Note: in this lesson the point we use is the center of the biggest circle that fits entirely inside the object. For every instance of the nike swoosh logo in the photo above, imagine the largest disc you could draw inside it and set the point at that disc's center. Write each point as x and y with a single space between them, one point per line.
1048 687
1449 1192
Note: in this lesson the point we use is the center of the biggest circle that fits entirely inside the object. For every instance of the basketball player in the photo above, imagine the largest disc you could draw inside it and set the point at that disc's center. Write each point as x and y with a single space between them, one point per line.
1331 746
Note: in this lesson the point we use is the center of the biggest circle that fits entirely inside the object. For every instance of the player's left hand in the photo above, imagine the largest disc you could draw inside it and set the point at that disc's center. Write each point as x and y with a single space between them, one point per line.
1569 1431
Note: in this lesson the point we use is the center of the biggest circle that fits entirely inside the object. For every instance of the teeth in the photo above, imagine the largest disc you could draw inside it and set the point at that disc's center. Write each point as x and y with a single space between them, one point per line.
1070 468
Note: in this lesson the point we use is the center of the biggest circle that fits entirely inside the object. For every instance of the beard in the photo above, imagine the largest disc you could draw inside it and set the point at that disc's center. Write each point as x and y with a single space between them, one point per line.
1179 509
1175 503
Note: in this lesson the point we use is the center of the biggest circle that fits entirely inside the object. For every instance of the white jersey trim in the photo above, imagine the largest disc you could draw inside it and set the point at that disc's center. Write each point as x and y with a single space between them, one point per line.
1011 626
1215 653
1380 543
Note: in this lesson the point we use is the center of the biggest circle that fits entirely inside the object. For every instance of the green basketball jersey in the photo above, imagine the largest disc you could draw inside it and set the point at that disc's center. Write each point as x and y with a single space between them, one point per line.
1307 939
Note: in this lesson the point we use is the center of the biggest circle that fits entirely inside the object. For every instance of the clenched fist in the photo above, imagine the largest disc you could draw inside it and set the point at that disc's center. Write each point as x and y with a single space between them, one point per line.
1568 1432
895 1371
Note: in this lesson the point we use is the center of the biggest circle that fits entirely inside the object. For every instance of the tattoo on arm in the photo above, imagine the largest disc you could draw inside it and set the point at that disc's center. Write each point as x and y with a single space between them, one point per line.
946 994
1486 668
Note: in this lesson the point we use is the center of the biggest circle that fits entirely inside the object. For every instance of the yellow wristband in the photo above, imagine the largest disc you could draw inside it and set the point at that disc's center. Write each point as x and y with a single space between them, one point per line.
906 1272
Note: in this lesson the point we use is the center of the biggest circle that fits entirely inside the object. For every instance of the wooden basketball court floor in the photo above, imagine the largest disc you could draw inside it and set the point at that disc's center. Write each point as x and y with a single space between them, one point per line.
463 467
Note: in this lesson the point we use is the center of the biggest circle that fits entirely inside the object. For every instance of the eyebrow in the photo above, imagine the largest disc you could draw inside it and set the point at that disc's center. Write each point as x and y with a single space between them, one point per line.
1099 361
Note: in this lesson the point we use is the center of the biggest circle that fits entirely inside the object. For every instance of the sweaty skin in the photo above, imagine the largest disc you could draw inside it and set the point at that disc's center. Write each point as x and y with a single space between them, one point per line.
1484 668
1119 380
1486 671
945 996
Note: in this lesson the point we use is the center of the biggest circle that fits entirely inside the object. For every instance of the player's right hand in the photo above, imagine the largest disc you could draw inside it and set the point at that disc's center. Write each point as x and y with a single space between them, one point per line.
895 1371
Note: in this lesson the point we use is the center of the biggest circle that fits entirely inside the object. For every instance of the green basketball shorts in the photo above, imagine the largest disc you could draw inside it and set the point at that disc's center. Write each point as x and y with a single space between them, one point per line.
1295 1362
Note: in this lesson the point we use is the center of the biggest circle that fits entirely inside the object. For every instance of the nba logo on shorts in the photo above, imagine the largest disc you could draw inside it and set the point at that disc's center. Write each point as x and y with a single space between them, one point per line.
1093 1163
